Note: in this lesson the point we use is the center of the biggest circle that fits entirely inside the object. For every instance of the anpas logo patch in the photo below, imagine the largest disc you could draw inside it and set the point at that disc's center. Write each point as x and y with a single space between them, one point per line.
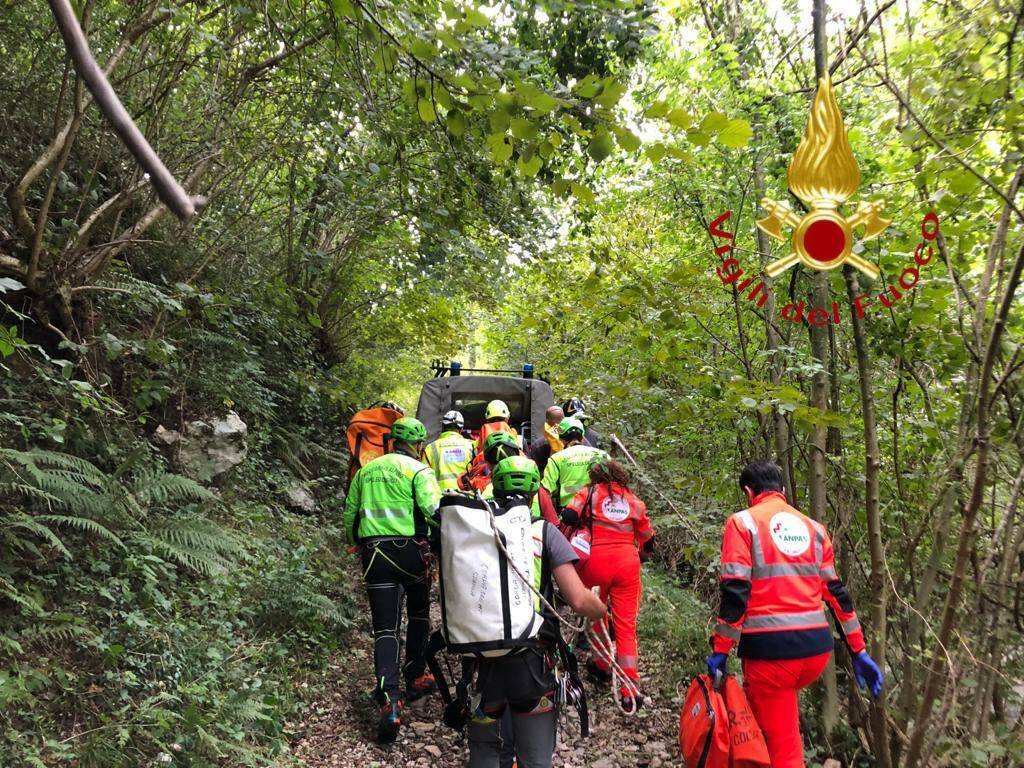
615 508
790 534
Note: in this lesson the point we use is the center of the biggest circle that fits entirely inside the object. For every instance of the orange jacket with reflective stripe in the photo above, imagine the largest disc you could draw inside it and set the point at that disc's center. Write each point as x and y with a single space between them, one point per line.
777 569
618 517
489 428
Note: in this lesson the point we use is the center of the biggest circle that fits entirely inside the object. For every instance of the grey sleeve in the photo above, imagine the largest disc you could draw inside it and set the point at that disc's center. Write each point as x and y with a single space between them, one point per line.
556 548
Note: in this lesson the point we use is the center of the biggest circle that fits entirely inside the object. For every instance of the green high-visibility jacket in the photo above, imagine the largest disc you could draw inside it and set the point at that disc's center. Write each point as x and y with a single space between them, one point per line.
393 495
569 470
449 456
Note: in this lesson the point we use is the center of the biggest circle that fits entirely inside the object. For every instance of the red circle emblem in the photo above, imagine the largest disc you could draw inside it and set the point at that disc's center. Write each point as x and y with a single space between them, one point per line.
824 240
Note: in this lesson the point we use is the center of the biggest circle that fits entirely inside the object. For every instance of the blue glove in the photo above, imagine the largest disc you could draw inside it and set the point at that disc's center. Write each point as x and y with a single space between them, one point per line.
866 671
716 665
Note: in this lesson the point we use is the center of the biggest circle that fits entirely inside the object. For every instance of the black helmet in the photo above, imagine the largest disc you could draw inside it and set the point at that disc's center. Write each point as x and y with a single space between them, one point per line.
393 406
575 408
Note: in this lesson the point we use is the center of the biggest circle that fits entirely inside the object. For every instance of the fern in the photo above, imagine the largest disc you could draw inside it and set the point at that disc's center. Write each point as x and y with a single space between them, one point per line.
165 488
249 710
25 523
200 545
83 524
9 590
48 634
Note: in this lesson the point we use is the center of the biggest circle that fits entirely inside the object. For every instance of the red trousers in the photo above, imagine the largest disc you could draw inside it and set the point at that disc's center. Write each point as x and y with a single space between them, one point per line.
615 568
772 687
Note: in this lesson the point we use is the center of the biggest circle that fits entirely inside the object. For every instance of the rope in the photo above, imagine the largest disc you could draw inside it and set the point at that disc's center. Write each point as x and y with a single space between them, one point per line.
654 486
601 643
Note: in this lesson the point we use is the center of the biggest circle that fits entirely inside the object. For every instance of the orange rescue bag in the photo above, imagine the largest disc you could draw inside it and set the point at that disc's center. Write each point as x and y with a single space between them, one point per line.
747 747
367 433
704 726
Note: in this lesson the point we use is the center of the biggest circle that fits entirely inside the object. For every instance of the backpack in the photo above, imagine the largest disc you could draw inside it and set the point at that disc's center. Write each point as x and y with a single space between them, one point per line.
704 726
367 436
580 536
486 608
717 728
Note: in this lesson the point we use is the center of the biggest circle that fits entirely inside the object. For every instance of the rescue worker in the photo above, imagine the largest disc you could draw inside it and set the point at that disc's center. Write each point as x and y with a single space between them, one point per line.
496 418
617 521
569 469
574 408
501 445
548 443
450 454
524 682
497 446
777 567
390 510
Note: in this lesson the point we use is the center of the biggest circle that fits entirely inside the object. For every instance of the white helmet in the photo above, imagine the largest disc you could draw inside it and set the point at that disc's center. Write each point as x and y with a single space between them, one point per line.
453 419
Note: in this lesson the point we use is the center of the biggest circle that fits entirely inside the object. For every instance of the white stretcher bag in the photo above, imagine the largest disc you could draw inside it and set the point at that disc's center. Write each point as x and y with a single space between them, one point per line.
486 608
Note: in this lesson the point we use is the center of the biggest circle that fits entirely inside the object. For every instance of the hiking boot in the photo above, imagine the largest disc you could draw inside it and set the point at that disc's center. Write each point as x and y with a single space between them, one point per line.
598 673
419 687
628 701
390 722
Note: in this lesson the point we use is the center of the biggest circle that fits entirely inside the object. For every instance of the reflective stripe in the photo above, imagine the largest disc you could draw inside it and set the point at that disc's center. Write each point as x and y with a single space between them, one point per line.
829 574
383 513
785 620
756 553
726 631
819 542
785 569
449 475
627 662
850 625
736 569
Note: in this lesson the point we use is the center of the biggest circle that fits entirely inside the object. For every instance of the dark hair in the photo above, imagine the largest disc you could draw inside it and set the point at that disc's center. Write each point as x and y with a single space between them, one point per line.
609 471
761 476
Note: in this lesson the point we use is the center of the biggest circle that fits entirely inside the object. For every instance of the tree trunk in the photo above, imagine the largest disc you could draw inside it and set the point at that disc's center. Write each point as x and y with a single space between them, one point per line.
879 592
966 540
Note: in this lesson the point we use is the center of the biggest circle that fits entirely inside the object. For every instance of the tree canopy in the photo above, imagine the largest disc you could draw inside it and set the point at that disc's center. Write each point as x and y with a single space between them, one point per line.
391 182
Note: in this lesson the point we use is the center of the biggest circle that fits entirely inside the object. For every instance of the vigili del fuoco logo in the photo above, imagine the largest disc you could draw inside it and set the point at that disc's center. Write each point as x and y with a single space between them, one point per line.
823 174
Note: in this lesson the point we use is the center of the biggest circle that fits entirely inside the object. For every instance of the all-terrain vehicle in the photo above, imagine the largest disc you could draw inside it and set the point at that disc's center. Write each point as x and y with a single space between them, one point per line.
469 390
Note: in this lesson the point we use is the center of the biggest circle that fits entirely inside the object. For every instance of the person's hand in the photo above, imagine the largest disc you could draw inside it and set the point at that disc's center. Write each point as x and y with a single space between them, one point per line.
717 665
570 517
868 674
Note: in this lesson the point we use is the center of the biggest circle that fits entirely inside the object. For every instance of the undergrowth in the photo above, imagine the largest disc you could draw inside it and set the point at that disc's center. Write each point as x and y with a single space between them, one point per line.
147 618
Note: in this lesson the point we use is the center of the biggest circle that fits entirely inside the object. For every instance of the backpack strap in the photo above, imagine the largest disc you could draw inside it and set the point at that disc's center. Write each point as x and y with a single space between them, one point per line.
419 520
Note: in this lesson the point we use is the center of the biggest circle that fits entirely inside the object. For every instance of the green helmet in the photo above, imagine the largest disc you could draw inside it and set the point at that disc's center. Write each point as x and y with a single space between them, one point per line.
499 445
571 429
409 430
516 474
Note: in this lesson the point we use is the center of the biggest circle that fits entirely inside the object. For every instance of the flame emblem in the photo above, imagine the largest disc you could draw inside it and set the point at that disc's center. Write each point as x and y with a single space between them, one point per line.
823 174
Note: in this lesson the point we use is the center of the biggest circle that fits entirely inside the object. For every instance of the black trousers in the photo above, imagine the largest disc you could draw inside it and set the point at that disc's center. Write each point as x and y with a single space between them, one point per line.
393 568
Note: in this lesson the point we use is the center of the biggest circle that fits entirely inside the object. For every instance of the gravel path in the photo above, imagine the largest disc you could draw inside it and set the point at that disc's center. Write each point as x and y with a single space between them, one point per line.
340 726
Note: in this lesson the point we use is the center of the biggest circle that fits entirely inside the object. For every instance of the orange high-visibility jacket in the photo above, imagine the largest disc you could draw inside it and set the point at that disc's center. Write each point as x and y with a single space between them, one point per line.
618 517
777 568
489 429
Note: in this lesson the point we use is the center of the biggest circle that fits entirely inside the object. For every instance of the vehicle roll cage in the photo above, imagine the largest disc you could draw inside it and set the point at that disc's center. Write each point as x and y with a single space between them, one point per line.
455 368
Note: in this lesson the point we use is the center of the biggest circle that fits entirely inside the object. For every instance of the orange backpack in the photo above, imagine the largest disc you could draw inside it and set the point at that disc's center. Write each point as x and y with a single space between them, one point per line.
717 728
367 435
704 726
747 747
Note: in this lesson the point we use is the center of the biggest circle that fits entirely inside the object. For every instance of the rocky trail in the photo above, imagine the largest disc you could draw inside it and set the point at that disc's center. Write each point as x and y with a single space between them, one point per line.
340 725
